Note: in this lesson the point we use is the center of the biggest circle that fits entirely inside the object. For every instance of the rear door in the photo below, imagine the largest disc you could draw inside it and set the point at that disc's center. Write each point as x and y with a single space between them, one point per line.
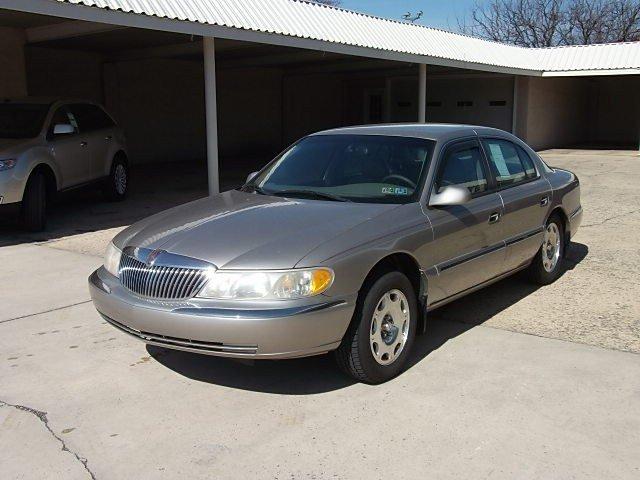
98 128
468 247
526 196
69 150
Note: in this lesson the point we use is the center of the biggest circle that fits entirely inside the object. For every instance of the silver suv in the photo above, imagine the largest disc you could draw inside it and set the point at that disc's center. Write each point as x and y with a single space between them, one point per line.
47 146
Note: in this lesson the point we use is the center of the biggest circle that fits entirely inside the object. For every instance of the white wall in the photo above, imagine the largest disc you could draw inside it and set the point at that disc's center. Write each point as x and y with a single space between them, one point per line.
160 105
64 73
12 63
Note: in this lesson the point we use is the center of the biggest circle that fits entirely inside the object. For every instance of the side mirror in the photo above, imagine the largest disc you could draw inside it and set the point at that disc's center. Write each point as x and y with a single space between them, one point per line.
250 176
452 195
63 129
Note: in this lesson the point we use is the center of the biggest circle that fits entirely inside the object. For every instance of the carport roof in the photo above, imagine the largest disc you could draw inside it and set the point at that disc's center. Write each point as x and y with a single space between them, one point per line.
304 24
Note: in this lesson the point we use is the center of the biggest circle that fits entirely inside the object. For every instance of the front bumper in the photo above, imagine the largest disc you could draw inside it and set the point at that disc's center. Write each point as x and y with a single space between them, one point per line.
265 333
575 219
11 187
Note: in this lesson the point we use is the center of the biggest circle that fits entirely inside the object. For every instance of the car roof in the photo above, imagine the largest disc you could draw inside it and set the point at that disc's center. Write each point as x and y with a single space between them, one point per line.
430 131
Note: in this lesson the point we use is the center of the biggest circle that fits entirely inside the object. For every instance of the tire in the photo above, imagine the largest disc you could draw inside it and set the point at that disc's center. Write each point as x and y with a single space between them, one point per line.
391 295
548 263
117 185
34 203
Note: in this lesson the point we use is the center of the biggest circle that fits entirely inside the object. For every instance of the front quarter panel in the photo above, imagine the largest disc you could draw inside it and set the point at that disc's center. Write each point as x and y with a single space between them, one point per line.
355 253
14 181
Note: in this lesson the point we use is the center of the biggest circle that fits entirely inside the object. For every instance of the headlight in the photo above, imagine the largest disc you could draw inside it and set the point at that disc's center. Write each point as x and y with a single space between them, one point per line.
112 259
253 285
7 164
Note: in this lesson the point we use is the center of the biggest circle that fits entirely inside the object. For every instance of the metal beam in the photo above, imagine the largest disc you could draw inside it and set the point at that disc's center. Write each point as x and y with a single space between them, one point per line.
422 93
211 111
74 28
115 17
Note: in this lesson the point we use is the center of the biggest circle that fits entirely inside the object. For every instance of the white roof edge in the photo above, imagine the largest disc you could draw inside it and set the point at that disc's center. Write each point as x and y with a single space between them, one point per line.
298 23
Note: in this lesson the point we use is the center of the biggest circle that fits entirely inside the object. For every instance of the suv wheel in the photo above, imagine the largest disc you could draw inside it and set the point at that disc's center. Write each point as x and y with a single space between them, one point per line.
548 263
117 184
34 203
376 346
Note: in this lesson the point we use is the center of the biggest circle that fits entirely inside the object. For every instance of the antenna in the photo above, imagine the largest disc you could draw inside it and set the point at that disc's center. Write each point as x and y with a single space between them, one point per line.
410 17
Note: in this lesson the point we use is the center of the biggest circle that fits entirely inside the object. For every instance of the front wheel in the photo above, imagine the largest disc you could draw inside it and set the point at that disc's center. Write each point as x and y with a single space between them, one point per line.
547 265
34 203
376 346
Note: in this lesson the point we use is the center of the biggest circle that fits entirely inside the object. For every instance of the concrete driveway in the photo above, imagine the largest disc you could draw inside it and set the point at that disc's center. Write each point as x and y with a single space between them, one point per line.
511 382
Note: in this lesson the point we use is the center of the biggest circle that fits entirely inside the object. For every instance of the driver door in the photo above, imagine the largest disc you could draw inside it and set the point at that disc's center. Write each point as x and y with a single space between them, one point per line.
468 247
69 150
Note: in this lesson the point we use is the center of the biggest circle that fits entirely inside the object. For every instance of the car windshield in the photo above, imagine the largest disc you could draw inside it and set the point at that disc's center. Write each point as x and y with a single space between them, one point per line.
21 120
357 168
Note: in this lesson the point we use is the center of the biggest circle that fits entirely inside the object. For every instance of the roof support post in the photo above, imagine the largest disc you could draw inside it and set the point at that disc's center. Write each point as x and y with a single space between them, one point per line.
211 111
514 105
422 94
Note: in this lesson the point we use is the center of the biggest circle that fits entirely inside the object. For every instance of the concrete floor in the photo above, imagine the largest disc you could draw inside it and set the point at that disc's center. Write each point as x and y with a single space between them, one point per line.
512 381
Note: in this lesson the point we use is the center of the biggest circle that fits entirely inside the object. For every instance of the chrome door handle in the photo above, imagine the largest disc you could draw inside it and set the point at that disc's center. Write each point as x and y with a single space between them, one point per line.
544 201
83 144
494 217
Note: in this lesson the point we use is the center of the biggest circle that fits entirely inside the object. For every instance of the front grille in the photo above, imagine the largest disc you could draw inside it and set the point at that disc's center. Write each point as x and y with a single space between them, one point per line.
160 282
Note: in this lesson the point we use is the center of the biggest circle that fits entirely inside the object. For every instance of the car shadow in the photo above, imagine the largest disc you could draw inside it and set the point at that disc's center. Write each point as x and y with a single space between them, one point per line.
319 374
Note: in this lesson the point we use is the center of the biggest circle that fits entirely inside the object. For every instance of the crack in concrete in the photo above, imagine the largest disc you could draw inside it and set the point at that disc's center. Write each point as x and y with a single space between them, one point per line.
42 416
46 311
610 218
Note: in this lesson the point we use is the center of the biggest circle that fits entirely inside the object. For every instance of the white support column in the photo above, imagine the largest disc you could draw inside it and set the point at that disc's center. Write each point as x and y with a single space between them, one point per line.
422 94
514 106
211 114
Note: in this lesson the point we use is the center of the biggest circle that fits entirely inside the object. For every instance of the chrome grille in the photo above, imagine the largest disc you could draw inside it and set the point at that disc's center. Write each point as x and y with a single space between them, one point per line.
158 281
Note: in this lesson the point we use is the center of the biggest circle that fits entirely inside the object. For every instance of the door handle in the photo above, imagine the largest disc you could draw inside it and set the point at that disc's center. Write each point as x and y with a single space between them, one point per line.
544 201
83 144
108 138
494 217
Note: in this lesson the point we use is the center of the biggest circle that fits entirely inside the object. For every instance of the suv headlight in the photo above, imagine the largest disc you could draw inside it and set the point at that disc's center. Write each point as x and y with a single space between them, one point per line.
112 259
274 285
7 164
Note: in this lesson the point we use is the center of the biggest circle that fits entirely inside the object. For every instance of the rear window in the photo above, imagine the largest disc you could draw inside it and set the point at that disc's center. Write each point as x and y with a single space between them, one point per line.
510 163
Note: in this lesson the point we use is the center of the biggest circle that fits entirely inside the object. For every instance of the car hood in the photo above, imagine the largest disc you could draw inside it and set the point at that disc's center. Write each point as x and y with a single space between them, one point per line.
238 230
11 146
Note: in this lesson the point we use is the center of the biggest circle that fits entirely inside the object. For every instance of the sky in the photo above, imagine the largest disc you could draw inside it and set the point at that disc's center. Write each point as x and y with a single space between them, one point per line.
437 13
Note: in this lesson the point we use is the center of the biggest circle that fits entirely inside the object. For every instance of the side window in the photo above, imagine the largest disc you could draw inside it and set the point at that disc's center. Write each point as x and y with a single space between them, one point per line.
62 117
506 162
462 166
527 162
91 117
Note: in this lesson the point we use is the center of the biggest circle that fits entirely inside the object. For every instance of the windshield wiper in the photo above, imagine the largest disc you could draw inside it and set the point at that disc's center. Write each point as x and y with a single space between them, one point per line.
311 193
252 187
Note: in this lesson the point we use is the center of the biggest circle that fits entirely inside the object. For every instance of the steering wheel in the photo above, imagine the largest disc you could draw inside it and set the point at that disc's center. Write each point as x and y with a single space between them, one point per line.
394 176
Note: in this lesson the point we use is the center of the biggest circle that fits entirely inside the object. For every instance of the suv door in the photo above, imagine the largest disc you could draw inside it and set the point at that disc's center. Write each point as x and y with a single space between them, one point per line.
526 196
69 150
468 247
98 128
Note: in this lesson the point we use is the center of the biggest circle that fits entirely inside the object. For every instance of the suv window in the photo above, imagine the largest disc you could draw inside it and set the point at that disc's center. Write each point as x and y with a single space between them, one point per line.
509 163
91 117
463 166
62 116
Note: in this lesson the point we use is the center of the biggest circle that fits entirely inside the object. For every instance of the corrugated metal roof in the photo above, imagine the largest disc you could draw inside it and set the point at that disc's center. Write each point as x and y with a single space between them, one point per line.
302 19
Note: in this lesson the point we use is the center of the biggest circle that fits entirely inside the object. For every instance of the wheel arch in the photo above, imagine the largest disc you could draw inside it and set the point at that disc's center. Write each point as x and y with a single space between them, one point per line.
564 218
407 264
51 179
